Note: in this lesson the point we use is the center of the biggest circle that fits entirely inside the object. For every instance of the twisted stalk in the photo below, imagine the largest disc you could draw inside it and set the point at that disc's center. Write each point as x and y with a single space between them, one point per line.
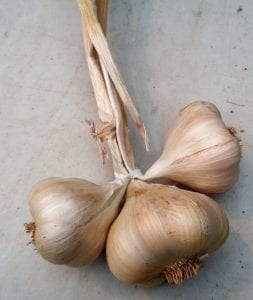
110 91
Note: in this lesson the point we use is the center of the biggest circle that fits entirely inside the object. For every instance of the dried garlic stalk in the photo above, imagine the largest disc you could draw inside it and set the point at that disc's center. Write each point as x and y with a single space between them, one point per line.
110 91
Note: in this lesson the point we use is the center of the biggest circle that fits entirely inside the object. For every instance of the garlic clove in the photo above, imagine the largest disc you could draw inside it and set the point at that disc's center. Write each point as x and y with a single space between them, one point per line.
72 218
160 230
200 152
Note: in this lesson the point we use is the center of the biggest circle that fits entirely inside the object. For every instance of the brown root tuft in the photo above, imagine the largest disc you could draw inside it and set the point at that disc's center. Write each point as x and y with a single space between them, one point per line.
182 270
31 228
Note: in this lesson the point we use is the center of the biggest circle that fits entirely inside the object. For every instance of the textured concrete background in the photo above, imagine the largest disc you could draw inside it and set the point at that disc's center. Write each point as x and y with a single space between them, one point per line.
169 53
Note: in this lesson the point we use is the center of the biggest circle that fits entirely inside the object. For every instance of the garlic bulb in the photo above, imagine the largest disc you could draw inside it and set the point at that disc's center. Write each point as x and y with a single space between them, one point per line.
161 232
72 218
200 152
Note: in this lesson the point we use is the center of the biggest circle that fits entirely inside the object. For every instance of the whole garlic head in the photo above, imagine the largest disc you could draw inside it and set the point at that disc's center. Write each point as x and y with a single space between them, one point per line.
161 228
200 152
72 218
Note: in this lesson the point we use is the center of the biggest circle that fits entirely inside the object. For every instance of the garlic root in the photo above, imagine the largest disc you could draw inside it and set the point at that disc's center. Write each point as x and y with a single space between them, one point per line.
30 228
182 270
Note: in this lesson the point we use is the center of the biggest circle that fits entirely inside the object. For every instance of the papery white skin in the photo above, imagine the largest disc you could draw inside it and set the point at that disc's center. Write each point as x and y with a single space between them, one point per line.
200 152
72 218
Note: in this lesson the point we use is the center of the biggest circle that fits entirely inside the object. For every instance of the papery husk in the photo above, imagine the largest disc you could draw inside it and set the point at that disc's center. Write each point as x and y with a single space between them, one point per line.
161 226
199 152
110 91
72 218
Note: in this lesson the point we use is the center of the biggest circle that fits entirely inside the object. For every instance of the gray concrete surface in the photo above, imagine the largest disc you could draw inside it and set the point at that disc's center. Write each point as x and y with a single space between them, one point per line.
169 52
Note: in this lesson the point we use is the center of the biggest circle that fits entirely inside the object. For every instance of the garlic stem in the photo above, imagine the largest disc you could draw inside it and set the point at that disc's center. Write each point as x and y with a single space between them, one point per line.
121 127
100 44
118 110
102 8
105 110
